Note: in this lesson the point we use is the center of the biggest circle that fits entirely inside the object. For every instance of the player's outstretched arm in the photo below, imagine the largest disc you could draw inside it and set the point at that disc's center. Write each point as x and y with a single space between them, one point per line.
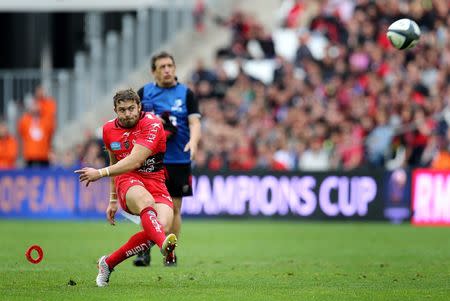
135 160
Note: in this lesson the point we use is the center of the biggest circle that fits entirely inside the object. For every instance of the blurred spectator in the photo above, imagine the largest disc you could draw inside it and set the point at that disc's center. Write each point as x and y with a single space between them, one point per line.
249 39
315 157
36 134
260 44
418 138
201 73
69 159
93 154
297 13
239 23
242 157
327 23
350 149
199 15
303 51
46 103
8 142
294 13
441 159
379 140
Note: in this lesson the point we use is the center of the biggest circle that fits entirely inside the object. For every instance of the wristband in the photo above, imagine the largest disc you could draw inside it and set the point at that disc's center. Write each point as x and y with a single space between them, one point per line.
113 197
104 174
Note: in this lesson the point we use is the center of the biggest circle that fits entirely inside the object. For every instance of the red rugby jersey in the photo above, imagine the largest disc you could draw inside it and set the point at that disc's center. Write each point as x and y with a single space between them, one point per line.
148 132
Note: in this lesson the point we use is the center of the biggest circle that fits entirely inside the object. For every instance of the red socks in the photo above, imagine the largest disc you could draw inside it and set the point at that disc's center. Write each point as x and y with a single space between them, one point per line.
152 227
141 241
137 243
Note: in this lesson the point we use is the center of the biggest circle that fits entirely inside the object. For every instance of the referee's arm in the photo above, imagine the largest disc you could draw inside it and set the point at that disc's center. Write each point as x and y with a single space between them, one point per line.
194 123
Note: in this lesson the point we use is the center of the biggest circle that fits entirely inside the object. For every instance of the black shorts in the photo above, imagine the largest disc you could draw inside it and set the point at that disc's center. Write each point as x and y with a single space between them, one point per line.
178 179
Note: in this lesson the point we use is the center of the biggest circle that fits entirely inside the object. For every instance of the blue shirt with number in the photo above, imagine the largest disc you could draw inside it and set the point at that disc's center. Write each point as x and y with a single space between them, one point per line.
173 100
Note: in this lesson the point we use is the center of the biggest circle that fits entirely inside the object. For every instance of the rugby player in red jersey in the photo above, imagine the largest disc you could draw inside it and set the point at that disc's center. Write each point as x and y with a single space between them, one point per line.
136 143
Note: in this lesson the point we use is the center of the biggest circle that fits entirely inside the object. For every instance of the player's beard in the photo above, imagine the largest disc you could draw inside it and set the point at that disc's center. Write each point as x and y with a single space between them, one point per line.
129 122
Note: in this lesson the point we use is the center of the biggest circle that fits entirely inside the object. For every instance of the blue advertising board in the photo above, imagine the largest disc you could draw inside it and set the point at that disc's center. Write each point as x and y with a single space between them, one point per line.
355 195
50 193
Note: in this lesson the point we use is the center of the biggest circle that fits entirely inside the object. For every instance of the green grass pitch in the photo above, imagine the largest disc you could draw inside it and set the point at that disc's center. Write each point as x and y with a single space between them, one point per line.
232 260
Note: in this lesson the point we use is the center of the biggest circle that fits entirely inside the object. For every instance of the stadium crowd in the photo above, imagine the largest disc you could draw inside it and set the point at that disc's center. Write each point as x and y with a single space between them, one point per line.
361 104
347 99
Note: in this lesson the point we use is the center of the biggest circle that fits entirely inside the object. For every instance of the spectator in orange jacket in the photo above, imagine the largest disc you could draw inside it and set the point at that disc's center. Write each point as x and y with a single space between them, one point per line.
442 159
8 155
36 132
46 103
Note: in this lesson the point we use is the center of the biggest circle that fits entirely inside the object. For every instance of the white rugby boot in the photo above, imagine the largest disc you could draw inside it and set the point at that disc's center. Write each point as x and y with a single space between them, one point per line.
103 272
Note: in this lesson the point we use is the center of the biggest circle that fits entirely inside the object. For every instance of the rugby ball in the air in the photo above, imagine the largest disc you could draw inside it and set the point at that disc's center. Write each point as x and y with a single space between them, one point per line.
403 34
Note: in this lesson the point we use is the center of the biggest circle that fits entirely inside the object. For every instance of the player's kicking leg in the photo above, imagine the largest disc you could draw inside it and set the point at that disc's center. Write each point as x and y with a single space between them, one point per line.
165 217
136 242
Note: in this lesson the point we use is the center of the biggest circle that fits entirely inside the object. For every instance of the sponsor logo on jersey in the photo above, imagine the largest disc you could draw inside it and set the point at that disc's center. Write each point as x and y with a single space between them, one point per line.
151 138
115 145
149 165
155 127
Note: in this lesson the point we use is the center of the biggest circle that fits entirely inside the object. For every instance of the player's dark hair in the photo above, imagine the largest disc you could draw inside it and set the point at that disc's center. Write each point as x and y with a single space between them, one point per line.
158 56
124 95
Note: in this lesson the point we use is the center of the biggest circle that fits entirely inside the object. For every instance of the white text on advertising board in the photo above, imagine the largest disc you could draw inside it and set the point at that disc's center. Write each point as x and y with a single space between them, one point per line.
269 195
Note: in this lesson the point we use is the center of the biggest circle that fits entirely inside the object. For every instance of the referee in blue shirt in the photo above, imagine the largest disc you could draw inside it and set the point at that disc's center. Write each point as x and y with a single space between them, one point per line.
178 108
